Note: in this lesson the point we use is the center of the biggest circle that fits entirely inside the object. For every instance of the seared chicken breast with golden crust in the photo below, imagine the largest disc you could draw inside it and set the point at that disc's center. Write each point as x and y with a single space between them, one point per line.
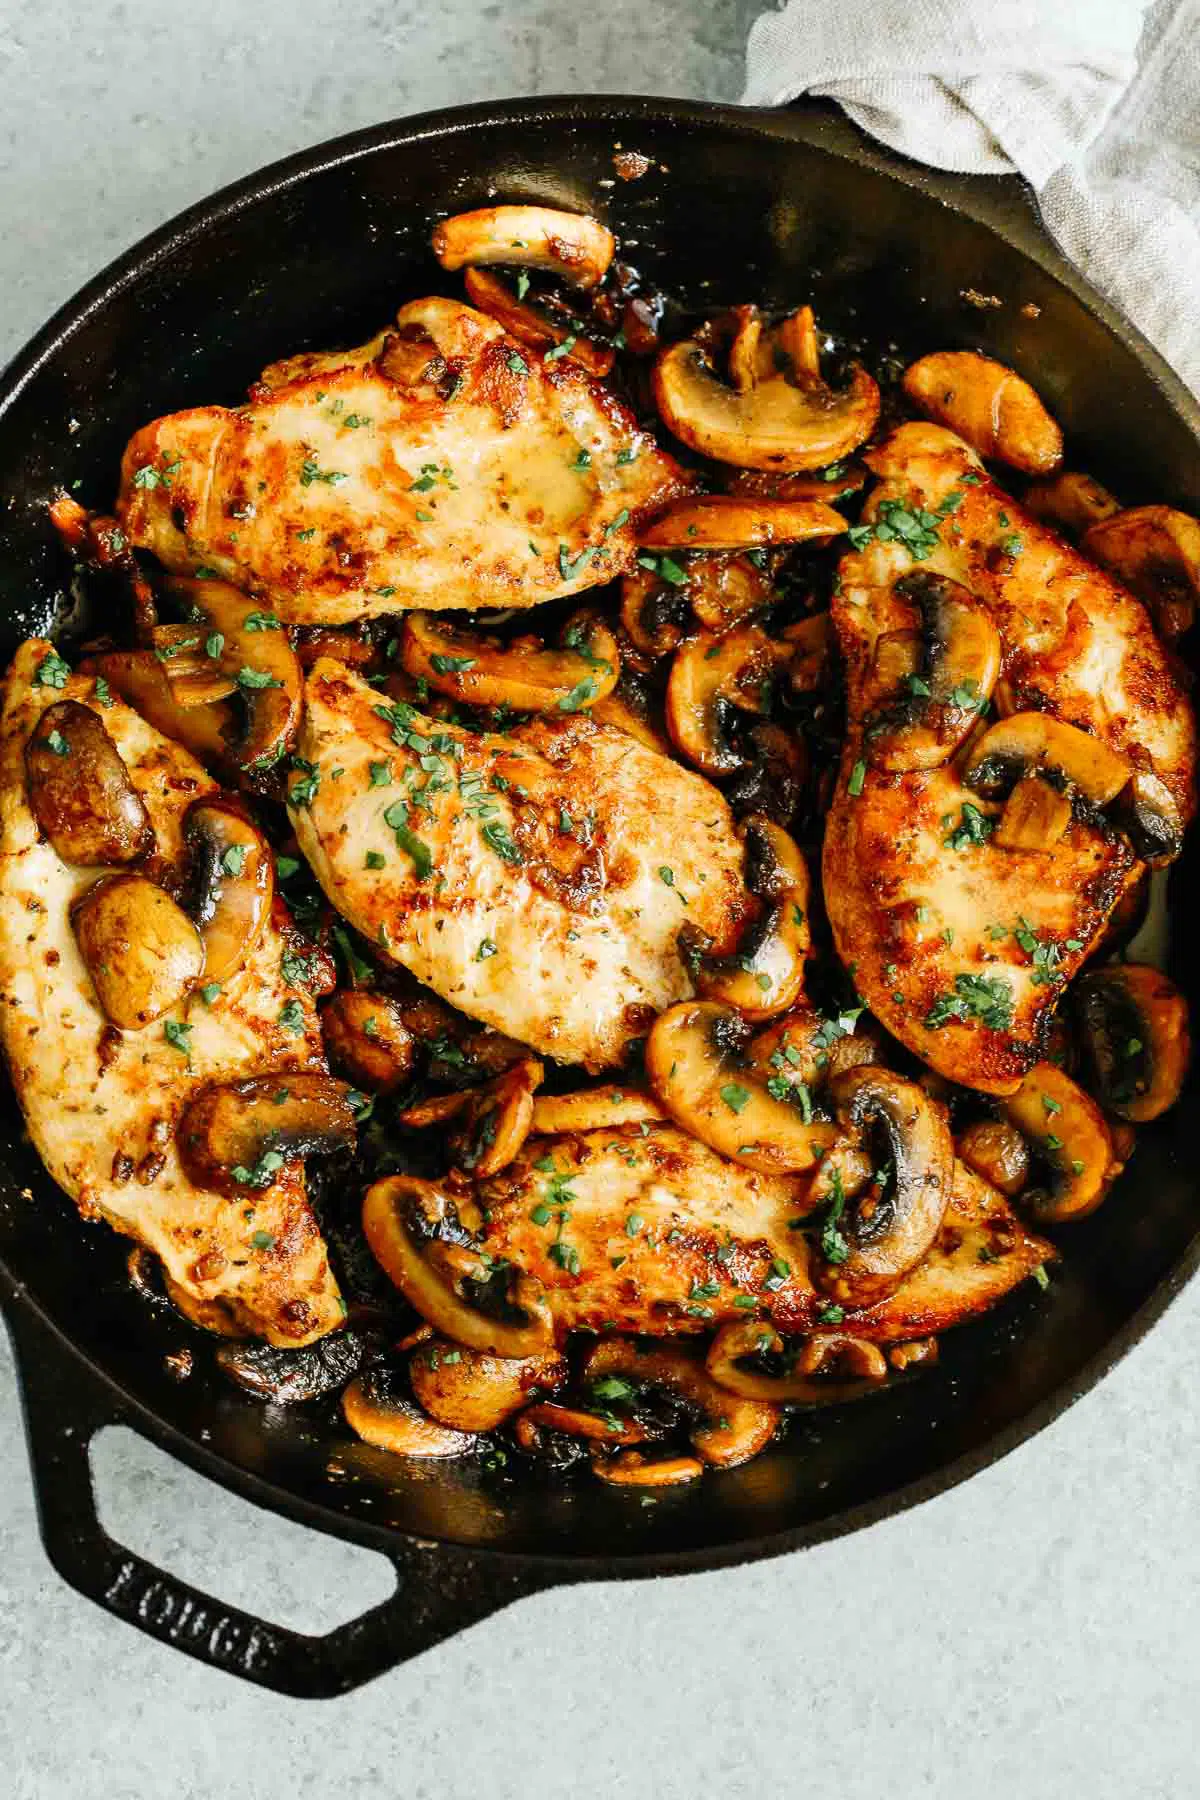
963 927
440 465
101 1104
537 881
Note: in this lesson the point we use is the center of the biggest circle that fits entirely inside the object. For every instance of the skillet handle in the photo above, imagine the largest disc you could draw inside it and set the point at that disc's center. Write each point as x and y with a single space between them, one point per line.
438 1590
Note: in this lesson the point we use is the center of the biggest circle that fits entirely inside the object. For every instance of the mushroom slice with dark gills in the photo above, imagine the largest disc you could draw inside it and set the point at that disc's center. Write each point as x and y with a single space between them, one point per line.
712 679
231 885
933 681
1066 1129
238 1135
340 489
536 881
765 976
1155 551
1133 1021
101 1104
646 1231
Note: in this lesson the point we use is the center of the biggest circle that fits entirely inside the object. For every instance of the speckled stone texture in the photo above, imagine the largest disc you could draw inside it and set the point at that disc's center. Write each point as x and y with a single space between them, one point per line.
1032 1634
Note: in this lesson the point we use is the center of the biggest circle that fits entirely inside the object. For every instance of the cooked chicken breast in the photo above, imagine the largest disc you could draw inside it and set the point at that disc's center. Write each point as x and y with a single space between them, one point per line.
101 1105
652 1232
440 465
1075 641
962 947
537 881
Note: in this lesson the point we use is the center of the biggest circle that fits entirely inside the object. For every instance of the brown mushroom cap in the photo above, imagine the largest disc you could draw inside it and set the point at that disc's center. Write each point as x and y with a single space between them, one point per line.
730 1430
540 327
824 1369
472 1391
708 676
1155 550
1134 1026
942 681
726 522
496 1120
80 791
367 1038
1070 501
766 974
142 951
238 1135
410 1226
573 245
523 675
380 1416
1067 1129
1033 741
232 883
254 659
989 405
778 423
141 680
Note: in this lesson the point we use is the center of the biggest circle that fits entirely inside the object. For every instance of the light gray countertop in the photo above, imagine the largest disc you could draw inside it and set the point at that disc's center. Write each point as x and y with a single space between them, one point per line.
1032 1633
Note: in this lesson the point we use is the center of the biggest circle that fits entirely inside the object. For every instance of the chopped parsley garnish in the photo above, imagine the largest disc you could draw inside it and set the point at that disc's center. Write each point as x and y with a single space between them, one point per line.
517 363
311 470
178 1035
304 791
735 1096
261 621
57 743
450 665
858 775
291 1016
287 866
374 859
262 1240
973 827
260 1174
665 567
233 860
987 998
834 1247
256 679
487 948
299 971
381 774
569 566
396 816
580 694
915 527
103 692
52 671
209 992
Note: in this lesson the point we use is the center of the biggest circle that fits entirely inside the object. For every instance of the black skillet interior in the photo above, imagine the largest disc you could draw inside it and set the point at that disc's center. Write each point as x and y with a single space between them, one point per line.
737 206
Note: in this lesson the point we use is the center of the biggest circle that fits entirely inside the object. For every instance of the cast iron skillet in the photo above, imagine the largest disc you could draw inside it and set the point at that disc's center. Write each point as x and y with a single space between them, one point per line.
315 251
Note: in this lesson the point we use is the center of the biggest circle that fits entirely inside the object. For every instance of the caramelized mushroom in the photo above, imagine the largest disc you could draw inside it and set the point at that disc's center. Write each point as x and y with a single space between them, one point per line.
538 326
472 1391
249 651
1155 550
1031 742
380 1416
1068 1131
729 1432
572 245
724 522
889 1227
780 417
766 975
1134 1026
632 1470
1036 815
1069 501
997 1151
698 1066
239 1135
80 791
141 680
989 405
593 1109
141 950
484 672
496 1120
600 1428
820 1370
291 1377
413 1231
709 677
232 883
936 683
367 1038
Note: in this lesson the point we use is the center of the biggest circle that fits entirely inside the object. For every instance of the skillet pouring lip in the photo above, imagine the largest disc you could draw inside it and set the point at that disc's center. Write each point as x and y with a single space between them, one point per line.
976 200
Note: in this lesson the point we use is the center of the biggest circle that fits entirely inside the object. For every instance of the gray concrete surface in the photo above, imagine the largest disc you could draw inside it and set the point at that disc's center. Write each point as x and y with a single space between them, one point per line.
1033 1634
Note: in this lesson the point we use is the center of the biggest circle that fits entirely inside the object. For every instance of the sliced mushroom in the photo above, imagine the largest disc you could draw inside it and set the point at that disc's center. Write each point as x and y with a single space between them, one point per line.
989 405
413 1231
573 1421
872 1241
626 711
821 1370
698 1068
936 683
1155 550
631 1469
729 1431
472 1391
257 659
656 614
572 245
232 883
766 974
379 1415
772 779
997 1151
593 1109
292 1377
709 677
1149 815
141 950
1031 742
1066 1128
1070 501
724 522
80 791
496 1120
367 1038
541 327
140 678
836 483
1134 1026
781 417
523 674
811 641
1036 815
239 1135
434 1111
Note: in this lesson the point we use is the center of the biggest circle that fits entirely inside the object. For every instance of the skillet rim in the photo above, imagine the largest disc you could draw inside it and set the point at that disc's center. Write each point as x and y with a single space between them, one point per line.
987 202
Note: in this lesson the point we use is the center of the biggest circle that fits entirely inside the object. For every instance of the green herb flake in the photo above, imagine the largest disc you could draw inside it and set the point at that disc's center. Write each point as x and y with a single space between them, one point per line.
178 1035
